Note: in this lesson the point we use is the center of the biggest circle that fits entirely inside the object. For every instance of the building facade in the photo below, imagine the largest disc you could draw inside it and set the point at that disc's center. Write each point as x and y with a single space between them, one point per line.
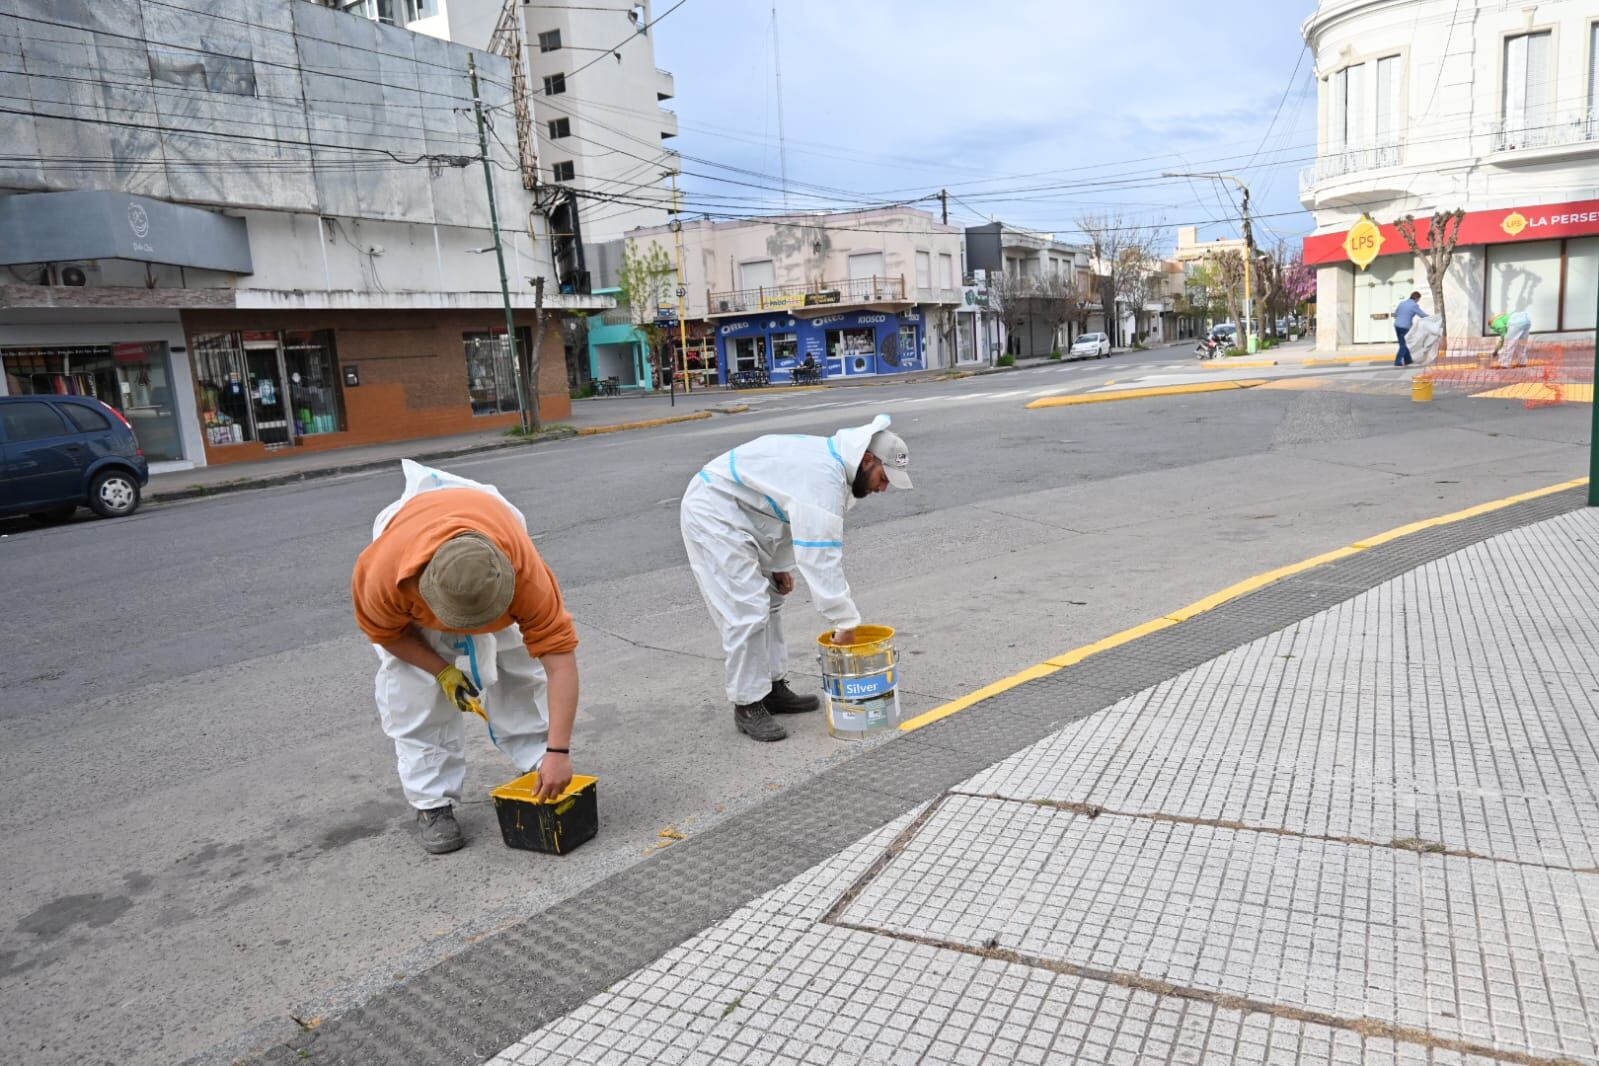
859 293
1494 110
262 232
1028 270
599 127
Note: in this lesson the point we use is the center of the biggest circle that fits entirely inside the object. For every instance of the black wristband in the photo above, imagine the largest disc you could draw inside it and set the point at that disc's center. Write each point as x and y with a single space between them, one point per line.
559 751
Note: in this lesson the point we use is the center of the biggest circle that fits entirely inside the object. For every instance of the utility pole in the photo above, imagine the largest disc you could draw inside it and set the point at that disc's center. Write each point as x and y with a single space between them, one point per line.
528 425
1249 248
943 199
682 291
777 67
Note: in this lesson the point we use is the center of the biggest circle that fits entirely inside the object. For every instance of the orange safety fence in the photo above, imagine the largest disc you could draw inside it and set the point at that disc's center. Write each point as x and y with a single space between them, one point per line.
1551 372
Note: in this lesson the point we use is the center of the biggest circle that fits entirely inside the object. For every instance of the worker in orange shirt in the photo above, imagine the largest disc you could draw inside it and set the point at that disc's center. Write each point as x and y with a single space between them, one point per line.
465 617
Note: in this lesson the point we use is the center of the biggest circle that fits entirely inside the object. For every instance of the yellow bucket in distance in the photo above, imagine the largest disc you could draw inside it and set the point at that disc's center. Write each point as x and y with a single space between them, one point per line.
860 682
1421 389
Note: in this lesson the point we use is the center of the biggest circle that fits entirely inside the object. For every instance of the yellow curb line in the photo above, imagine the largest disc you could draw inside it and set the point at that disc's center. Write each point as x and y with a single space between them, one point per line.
1335 360
590 431
1552 392
1211 602
1139 394
1240 363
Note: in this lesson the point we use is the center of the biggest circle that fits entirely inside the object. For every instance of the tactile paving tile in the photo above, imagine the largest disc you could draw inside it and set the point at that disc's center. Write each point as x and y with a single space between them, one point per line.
1399 714
1501 955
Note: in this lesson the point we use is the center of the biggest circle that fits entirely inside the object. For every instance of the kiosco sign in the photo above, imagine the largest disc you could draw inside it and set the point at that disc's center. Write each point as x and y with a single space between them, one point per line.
1366 240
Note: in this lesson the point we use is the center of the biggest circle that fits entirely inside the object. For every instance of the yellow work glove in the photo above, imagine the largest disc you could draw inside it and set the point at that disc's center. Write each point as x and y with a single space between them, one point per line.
459 690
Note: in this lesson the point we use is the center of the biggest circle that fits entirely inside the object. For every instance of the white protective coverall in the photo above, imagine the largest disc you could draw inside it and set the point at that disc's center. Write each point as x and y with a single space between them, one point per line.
1518 327
775 504
427 729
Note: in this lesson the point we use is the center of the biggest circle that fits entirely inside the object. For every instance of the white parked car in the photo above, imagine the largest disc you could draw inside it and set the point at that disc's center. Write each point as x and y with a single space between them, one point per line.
1091 345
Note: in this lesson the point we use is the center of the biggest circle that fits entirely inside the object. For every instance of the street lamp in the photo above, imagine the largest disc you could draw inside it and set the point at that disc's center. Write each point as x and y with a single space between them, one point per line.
1249 245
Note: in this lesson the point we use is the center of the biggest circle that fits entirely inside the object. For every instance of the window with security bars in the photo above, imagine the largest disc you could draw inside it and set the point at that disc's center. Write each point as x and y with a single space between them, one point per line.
564 171
490 374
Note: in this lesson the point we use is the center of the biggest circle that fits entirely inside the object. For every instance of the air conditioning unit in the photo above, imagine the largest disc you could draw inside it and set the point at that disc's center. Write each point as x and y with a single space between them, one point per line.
74 275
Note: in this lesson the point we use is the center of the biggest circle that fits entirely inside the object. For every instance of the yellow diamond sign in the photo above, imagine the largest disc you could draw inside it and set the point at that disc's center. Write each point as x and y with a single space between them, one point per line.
1364 242
1514 223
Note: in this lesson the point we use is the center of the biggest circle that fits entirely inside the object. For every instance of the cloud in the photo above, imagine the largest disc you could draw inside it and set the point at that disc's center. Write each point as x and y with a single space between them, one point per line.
888 98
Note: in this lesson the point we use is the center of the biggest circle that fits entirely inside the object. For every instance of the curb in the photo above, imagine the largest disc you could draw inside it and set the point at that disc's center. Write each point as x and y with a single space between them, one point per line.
1217 599
1140 394
648 423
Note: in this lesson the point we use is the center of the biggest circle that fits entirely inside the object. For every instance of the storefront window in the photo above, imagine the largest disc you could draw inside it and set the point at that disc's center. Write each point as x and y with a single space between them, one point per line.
1582 281
490 374
313 382
785 349
1525 277
220 382
134 378
855 347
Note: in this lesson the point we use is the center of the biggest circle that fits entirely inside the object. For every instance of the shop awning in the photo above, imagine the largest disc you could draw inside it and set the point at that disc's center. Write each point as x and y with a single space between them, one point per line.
62 227
1506 225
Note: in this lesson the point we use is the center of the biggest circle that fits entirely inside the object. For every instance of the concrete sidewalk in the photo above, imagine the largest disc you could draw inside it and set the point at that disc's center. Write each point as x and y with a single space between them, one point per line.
1369 837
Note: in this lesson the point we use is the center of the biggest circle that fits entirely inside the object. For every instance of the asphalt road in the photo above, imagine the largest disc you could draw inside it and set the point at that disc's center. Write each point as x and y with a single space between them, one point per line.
206 838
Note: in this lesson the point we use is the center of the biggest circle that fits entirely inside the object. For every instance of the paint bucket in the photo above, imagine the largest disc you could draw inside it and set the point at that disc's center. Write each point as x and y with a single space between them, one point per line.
554 826
1421 389
861 682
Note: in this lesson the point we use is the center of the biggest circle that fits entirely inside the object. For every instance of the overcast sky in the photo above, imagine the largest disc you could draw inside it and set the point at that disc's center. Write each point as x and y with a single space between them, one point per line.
884 99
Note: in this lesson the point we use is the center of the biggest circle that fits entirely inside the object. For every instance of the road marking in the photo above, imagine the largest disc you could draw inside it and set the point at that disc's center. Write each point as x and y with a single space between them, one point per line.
1211 602
1341 360
1547 392
1239 363
1139 394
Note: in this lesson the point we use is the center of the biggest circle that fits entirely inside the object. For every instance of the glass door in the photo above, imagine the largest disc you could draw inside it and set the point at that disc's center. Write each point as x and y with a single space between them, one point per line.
268 404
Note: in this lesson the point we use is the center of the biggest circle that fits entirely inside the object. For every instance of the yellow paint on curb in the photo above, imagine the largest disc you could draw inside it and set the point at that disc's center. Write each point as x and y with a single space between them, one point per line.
1140 394
1239 364
1345 360
1550 392
1211 602
591 431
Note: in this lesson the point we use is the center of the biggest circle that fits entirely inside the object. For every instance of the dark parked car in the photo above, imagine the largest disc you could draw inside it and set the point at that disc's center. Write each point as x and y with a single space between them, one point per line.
59 453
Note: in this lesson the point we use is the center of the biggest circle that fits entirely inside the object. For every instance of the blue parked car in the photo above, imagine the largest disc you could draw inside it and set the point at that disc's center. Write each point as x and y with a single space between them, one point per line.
59 453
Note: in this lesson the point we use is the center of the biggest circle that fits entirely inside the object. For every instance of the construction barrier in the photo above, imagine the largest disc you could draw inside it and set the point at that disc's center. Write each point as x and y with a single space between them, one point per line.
1550 372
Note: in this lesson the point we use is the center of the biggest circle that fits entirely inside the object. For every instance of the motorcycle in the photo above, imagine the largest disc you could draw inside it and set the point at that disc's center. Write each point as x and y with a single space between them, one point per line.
1209 348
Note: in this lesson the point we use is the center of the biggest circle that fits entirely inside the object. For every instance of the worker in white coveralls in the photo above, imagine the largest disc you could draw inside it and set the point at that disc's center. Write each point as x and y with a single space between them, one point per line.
466 618
755 515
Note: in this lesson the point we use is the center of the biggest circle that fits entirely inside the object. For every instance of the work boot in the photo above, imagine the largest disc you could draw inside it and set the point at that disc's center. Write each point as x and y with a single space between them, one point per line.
784 700
754 722
439 830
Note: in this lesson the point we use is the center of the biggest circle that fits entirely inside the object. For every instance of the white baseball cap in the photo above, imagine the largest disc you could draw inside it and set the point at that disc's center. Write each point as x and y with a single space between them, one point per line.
891 450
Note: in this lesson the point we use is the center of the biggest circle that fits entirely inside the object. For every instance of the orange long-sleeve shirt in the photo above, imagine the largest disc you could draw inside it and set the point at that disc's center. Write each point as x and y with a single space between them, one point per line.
384 586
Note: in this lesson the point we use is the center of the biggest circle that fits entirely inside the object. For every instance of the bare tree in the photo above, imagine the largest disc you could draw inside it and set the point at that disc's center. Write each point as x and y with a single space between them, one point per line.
1124 252
1442 234
1229 276
1007 295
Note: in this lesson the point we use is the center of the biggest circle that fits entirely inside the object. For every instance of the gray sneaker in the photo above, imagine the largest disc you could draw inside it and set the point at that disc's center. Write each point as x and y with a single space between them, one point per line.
754 721
440 833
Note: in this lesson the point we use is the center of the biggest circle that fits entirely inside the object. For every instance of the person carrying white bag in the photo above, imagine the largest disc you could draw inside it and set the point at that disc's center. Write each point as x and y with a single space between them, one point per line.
1424 338
466 618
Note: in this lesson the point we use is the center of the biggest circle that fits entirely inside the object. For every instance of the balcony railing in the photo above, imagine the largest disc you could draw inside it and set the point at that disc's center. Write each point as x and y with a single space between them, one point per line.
1520 134
819 294
1350 161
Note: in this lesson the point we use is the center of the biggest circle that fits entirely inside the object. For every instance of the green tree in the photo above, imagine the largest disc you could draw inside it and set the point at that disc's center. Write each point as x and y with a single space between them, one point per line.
647 279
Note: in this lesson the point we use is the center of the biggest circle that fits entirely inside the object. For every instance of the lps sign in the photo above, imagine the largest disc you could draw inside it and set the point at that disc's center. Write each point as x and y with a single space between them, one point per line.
1516 223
